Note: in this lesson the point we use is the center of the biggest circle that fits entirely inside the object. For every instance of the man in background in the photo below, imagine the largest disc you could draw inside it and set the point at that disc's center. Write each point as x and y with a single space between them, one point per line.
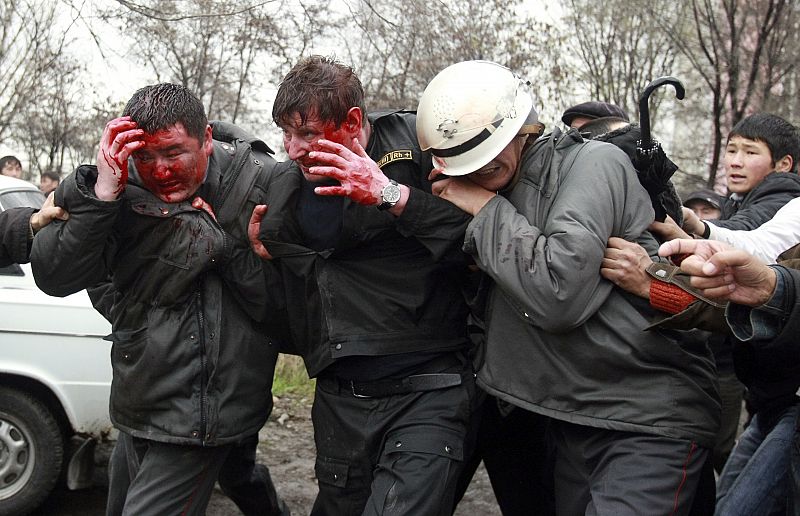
49 181
11 166
577 116
706 204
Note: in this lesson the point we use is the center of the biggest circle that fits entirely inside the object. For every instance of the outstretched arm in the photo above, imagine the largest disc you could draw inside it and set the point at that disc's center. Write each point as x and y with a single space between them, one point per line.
722 272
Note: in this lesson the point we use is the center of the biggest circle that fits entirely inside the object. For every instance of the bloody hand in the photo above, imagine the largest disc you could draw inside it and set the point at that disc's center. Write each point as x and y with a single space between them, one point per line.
121 137
201 204
360 178
254 228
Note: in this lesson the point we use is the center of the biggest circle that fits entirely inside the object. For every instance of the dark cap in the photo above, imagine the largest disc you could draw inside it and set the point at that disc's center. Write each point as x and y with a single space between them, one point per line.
709 196
593 110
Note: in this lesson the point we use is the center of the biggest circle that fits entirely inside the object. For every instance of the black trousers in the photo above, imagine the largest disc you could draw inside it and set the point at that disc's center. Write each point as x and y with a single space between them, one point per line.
399 454
623 473
151 477
249 484
512 443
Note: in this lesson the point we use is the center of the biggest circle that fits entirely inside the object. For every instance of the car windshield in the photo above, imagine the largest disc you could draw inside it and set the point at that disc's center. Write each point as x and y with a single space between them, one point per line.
16 198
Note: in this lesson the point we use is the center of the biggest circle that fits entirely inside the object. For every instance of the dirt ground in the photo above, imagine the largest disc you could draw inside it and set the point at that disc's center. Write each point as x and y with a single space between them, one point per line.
287 447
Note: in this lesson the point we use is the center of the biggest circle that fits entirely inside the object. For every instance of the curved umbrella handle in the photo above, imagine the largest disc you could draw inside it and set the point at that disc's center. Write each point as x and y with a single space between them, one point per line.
644 106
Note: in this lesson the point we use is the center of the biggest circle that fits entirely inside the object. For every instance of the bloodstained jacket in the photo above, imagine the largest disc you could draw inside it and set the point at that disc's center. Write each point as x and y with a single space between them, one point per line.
389 285
191 360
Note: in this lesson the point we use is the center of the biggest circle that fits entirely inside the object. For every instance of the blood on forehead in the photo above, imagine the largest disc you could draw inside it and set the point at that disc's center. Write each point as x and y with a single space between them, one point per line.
327 129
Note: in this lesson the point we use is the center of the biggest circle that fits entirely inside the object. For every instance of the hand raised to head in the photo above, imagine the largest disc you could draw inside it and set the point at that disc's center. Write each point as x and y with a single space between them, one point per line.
121 137
359 177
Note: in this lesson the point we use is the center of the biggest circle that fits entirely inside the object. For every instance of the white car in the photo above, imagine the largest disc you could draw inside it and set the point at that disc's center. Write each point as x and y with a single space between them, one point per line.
55 380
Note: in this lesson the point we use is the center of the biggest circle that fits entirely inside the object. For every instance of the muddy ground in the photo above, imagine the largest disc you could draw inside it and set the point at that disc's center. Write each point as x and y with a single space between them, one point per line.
287 448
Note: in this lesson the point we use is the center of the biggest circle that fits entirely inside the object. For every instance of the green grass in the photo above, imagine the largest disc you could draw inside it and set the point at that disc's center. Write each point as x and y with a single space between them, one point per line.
291 377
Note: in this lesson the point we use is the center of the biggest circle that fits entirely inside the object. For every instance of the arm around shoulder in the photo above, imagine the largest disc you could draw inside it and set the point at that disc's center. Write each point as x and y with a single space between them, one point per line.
68 256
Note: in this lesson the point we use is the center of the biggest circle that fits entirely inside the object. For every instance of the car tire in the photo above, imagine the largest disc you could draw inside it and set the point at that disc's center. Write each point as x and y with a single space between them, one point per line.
31 452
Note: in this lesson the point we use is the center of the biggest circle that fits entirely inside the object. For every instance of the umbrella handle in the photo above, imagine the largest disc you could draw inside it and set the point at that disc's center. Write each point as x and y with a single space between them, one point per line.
644 106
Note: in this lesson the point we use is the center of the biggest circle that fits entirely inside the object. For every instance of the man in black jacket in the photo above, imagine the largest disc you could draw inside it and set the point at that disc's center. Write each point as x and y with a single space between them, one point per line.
17 227
164 215
373 276
763 313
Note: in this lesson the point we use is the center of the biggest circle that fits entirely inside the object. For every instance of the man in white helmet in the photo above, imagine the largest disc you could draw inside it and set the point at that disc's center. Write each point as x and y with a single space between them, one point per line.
631 412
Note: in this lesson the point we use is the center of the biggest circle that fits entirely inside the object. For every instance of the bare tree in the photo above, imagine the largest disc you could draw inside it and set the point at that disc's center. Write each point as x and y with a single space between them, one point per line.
30 43
739 50
397 46
61 129
621 49
219 50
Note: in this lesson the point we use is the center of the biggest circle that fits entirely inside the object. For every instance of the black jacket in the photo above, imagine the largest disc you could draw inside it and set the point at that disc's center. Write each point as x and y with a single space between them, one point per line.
761 203
387 285
191 360
769 368
757 207
14 243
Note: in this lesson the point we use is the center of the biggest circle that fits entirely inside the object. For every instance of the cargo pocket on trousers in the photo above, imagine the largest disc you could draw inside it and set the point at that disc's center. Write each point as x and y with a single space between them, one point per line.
332 471
418 469
442 443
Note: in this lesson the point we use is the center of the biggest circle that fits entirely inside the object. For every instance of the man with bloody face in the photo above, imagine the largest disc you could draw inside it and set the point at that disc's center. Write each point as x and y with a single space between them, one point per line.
164 216
373 275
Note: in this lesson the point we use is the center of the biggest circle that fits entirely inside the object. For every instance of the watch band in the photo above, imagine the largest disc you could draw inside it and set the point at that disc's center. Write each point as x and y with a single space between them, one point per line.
390 195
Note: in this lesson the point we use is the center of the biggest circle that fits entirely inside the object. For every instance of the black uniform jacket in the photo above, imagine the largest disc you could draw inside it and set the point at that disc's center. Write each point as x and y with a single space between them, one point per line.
387 285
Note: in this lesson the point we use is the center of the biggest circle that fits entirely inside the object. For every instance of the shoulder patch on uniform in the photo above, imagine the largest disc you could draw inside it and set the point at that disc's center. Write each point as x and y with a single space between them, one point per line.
395 155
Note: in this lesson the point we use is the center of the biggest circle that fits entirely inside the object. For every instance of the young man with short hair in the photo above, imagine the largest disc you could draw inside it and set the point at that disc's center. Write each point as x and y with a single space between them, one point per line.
164 215
48 181
11 166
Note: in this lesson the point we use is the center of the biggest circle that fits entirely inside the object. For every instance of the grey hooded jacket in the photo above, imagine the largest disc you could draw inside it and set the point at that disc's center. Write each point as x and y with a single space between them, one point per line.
562 341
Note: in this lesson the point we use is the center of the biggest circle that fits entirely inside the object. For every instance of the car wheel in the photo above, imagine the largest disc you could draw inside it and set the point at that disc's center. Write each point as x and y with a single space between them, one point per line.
31 452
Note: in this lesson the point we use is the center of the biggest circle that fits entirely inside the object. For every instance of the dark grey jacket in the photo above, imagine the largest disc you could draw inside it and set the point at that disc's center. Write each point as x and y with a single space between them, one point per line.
561 340
761 203
770 369
14 242
191 360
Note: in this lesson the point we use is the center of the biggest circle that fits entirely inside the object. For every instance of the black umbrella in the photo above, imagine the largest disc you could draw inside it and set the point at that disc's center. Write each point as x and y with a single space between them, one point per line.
653 166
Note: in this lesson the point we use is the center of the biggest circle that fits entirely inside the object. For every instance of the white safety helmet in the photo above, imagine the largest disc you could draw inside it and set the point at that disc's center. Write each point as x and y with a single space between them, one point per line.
469 112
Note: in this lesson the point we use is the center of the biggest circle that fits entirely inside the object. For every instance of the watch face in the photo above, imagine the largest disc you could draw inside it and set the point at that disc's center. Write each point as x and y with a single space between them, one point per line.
391 193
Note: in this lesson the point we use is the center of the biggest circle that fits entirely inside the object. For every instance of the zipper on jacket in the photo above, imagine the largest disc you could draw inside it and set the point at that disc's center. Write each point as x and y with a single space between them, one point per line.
203 363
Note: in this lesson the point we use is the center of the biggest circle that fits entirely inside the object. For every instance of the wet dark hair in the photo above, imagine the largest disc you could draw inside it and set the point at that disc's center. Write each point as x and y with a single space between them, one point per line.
163 105
9 160
319 86
781 137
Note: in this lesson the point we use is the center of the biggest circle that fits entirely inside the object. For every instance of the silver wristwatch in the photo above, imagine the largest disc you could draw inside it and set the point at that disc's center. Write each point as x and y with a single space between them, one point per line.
389 195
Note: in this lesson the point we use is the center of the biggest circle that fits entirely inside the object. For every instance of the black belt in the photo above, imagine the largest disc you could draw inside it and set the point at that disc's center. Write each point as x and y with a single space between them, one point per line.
382 388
